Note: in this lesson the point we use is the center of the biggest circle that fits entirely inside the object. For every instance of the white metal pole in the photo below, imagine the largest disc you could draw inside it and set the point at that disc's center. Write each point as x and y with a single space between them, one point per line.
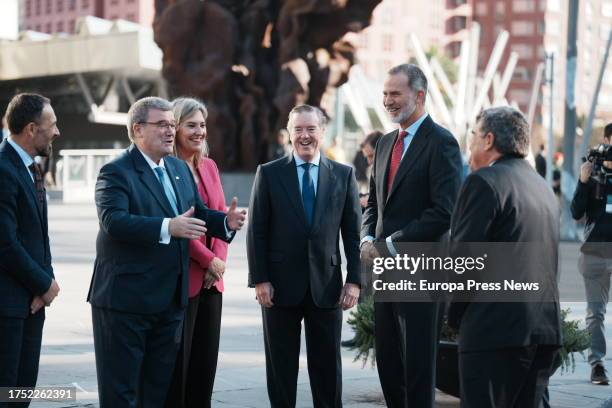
496 55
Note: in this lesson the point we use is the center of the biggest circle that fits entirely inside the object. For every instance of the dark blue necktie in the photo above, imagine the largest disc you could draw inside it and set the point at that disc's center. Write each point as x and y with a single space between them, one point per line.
308 192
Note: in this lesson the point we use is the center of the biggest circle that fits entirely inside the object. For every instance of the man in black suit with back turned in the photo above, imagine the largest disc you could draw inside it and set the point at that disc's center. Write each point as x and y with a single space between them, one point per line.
415 179
27 282
148 207
507 350
299 205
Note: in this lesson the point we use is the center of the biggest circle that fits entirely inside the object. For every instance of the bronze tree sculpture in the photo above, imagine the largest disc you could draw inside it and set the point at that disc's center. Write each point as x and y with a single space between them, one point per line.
251 61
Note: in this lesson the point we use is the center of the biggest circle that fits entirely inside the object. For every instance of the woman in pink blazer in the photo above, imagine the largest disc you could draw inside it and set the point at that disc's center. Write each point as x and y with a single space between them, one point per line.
196 365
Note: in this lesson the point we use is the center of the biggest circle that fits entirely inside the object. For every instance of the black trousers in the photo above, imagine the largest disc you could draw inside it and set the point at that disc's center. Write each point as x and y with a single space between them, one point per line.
196 365
282 331
135 355
20 341
506 378
406 346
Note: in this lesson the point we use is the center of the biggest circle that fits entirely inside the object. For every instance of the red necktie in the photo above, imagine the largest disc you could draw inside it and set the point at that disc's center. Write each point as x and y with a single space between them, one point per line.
396 158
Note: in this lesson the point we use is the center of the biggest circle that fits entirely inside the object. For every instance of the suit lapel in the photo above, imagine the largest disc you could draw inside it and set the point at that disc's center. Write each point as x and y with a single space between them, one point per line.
150 180
384 151
412 154
289 181
325 183
26 179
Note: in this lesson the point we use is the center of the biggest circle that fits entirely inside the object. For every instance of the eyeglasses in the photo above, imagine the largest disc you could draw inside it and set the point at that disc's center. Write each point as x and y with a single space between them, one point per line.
161 125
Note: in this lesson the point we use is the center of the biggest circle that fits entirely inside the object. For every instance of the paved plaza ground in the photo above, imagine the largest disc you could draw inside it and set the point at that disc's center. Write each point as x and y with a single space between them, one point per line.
68 357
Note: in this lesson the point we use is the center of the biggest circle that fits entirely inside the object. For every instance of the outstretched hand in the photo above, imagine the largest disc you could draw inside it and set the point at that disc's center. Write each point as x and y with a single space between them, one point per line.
186 226
235 217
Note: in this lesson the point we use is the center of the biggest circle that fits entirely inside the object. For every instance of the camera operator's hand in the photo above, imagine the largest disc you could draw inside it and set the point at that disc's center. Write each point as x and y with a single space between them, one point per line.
585 171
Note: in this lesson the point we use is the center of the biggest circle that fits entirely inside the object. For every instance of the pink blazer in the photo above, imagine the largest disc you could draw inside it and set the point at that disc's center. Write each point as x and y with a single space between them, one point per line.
203 250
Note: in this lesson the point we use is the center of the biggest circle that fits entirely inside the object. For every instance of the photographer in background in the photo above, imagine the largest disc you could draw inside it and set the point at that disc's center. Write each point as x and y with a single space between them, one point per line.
593 196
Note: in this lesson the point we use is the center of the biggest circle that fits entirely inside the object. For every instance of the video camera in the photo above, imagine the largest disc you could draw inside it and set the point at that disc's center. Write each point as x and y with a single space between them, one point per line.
598 155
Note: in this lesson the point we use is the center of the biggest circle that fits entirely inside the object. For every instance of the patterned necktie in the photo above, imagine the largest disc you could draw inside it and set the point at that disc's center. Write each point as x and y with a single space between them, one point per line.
165 182
308 192
396 158
39 184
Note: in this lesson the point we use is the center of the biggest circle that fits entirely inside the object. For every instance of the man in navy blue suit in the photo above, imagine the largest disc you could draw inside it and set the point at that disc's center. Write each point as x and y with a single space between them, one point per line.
149 208
27 282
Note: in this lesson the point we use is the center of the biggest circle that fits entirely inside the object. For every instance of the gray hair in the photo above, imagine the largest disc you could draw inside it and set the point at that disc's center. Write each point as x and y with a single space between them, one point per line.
139 111
416 78
183 108
303 109
509 127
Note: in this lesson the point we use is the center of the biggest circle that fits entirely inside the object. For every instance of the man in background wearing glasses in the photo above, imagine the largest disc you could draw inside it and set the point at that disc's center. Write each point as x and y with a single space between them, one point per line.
149 209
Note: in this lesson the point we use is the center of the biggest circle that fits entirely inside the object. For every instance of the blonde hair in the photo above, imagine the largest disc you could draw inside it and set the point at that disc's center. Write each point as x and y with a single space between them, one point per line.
184 108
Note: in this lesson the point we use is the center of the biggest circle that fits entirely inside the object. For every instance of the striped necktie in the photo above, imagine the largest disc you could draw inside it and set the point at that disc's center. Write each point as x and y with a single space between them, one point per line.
39 184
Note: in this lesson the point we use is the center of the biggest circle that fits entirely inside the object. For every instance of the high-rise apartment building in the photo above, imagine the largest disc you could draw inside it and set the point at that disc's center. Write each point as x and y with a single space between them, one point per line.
59 16
386 41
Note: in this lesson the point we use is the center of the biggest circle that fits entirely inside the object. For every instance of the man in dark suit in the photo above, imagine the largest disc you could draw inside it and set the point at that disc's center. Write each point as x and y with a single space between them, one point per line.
507 350
414 183
149 207
299 204
27 282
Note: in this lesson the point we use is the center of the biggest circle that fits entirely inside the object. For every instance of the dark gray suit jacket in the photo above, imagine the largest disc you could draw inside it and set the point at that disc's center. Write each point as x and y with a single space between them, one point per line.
133 272
418 208
508 202
25 257
284 250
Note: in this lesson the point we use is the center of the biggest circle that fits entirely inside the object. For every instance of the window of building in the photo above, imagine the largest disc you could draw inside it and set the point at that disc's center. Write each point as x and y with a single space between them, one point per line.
49 28
84 4
481 9
524 51
541 27
114 2
131 17
523 28
131 1
72 4
37 9
523 6
114 17
71 25
48 6
387 42
521 74
500 8
60 27
60 6
520 96
28 8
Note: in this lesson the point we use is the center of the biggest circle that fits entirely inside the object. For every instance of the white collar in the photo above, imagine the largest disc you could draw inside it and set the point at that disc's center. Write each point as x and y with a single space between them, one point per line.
315 161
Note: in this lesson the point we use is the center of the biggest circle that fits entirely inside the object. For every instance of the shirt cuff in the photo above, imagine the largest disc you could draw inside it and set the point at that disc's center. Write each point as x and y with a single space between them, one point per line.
164 235
390 246
228 232
367 238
